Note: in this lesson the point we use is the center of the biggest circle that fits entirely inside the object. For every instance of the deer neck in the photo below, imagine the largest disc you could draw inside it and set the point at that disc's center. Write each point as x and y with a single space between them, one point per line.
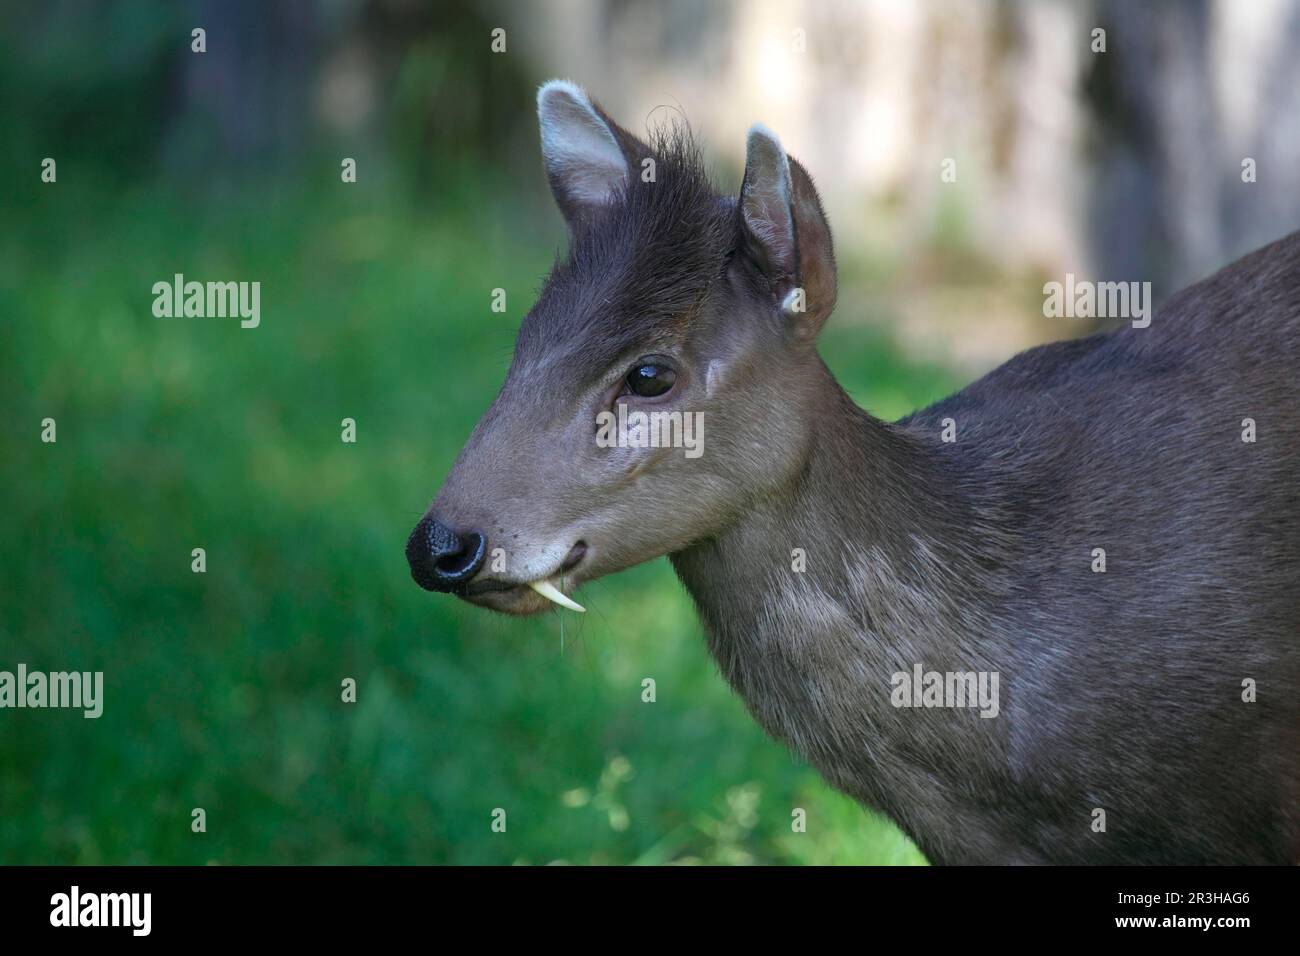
870 562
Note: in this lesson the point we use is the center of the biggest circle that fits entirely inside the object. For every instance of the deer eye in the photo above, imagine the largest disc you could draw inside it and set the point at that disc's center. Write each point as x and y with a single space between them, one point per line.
649 379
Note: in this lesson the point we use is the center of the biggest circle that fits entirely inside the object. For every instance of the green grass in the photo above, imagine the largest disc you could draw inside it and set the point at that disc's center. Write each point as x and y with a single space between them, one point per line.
223 689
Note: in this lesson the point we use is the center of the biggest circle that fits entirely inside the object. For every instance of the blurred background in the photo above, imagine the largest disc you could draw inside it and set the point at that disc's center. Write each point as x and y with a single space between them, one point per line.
222 689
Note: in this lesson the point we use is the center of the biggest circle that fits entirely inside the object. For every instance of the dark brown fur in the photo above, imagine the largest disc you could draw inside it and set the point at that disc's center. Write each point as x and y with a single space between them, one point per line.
1120 691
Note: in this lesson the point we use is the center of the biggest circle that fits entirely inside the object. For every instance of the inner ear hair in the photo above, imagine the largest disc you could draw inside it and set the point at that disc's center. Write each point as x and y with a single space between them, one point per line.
766 222
586 160
814 245
784 232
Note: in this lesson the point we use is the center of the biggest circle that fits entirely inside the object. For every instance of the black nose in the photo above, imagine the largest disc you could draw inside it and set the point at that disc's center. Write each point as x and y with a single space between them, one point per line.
441 559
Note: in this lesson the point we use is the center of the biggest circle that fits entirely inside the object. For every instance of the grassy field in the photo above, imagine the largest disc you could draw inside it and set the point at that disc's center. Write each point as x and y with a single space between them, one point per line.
222 689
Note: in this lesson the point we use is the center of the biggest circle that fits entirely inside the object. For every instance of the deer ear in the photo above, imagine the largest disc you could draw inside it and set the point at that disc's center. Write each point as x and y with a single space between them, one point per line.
785 233
582 149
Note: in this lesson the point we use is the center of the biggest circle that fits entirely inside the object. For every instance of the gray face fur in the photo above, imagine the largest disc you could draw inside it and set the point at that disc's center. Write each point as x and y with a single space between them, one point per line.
665 271
1119 691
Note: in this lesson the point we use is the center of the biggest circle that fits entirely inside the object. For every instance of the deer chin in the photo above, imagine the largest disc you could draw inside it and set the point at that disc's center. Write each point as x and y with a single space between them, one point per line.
531 597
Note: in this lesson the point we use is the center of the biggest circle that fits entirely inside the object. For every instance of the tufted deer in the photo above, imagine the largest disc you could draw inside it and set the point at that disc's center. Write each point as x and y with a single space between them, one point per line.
929 622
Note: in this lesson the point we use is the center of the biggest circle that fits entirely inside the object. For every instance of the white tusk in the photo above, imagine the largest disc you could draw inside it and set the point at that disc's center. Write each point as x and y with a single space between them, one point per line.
549 591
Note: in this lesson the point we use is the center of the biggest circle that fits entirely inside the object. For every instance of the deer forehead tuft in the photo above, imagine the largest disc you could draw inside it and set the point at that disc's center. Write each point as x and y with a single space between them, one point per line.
643 263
